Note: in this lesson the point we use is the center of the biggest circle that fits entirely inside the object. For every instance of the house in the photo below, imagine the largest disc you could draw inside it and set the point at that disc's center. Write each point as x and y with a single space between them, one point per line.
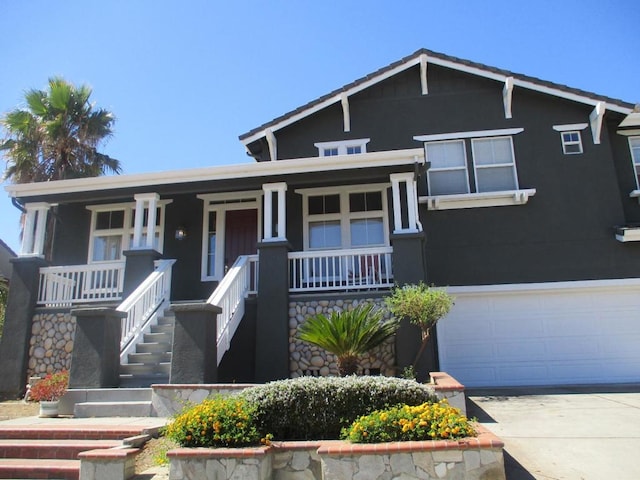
517 194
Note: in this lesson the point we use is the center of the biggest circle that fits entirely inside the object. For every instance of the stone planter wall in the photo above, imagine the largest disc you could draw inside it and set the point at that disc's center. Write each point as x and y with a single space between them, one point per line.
52 335
478 458
306 359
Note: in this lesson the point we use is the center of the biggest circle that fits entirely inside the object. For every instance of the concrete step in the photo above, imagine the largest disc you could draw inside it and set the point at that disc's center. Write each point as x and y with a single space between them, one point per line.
150 357
39 468
158 338
51 448
153 347
162 329
167 320
145 369
112 409
143 380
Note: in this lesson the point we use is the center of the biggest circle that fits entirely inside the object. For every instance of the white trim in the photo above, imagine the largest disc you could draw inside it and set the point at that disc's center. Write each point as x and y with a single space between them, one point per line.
570 126
628 234
595 119
273 145
342 146
269 189
246 170
477 200
462 67
460 135
423 74
629 133
515 288
365 187
567 143
507 96
346 118
221 210
635 163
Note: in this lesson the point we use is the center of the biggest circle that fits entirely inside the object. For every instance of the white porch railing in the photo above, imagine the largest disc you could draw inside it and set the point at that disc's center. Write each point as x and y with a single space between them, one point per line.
229 295
68 285
143 303
354 269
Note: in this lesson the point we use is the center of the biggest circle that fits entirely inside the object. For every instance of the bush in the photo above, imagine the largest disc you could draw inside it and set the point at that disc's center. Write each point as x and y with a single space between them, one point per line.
50 388
216 422
429 421
315 408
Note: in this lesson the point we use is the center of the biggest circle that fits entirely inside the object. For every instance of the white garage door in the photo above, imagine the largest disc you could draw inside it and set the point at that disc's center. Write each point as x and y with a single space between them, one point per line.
543 334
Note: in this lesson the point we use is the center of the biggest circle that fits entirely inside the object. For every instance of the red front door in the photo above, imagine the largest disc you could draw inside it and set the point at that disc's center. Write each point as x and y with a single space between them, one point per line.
241 235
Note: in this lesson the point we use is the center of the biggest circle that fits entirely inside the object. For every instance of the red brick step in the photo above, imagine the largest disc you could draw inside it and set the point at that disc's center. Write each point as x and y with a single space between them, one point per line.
40 468
79 432
67 449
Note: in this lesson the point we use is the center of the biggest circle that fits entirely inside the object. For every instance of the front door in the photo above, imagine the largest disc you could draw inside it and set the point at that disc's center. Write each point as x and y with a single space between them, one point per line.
241 235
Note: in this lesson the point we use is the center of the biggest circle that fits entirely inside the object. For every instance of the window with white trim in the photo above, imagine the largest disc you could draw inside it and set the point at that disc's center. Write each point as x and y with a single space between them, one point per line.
571 142
634 145
494 167
343 147
112 230
349 217
494 164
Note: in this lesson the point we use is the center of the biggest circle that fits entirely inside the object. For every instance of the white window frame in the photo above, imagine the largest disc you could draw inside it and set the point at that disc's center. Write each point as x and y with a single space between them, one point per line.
568 142
635 161
477 167
342 146
344 216
446 169
222 203
126 232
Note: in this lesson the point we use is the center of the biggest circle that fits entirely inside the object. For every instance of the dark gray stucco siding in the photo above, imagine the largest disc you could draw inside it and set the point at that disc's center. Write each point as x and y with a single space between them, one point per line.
72 229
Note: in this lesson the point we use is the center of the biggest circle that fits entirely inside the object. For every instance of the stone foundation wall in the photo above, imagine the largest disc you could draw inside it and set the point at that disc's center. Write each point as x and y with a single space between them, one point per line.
306 359
52 335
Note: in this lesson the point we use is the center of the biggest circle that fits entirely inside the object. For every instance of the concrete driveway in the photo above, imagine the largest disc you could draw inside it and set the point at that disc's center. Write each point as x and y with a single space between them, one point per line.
569 433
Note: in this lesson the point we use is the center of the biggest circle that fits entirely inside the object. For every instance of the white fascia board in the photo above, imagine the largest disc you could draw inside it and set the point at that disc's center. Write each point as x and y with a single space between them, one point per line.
475 134
477 200
246 170
443 63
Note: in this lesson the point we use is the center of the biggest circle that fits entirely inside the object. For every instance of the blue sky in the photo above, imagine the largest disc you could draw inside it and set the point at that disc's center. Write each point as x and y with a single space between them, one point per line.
185 78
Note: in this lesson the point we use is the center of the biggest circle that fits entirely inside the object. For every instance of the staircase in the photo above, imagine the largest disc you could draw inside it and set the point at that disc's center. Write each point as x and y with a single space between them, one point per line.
51 451
151 362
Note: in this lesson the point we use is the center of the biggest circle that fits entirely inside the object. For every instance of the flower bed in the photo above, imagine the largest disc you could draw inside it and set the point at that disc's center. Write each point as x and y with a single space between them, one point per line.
465 459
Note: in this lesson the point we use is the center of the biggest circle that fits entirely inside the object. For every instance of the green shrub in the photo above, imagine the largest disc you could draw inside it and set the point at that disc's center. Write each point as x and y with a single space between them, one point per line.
315 408
429 421
216 422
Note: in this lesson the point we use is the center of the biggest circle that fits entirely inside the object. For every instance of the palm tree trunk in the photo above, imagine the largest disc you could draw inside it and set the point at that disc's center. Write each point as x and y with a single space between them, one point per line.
347 365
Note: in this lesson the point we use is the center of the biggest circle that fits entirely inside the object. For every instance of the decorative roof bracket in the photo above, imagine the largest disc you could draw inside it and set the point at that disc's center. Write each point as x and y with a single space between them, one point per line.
595 119
423 74
344 99
507 93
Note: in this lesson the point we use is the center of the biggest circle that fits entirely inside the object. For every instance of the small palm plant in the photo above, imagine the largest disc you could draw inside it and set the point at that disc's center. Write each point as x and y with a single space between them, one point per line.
348 334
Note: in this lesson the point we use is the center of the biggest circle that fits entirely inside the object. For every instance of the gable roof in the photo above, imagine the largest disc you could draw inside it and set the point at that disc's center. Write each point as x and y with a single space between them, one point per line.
435 58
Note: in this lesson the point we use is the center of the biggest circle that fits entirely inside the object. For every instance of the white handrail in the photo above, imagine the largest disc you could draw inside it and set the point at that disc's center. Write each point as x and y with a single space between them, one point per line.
144 302
229 295
351 269
72 284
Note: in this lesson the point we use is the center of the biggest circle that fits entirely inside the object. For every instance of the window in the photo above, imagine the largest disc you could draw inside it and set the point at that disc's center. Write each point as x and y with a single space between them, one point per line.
352 217
634 145
343 147
448 172
494 168
494 165
571 143
112 230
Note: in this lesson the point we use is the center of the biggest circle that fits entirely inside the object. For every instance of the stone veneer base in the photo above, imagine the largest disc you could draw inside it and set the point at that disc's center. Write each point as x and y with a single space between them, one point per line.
478 458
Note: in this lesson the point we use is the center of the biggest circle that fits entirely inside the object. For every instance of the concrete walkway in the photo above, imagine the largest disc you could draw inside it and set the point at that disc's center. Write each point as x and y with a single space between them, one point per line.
572 433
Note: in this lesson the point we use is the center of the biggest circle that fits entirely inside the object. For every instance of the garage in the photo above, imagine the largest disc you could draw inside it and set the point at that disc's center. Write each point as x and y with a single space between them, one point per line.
543 334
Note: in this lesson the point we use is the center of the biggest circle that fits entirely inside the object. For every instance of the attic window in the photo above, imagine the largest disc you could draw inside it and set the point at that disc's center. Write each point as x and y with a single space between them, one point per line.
343 147
571 143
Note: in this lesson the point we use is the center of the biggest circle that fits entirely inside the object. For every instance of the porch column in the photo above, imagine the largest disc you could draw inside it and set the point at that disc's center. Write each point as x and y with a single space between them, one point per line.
34 231
195 350
272 324
21 306
280 233
95 361
405 220
149 201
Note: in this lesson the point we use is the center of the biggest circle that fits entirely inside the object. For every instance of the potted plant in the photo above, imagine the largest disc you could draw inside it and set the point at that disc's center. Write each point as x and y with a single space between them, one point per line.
48 392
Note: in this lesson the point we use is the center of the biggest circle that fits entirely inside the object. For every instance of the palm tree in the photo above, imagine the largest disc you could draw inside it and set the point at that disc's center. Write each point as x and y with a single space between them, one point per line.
57 136
348 334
